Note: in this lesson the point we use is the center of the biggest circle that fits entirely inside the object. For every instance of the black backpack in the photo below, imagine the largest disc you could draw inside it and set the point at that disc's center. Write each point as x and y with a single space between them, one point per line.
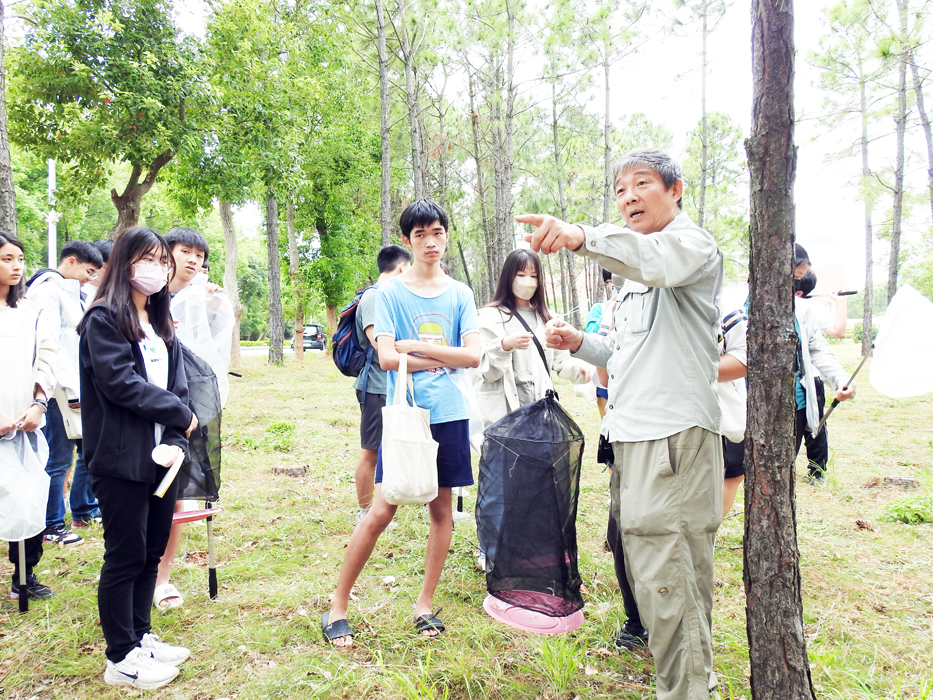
39 273
350 357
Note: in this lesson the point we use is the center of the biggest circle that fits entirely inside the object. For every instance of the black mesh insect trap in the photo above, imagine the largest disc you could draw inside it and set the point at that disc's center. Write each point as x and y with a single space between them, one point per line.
526 512
199 478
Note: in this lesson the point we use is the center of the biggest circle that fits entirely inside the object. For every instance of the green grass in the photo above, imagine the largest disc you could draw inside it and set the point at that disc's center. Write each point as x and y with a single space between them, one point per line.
868 595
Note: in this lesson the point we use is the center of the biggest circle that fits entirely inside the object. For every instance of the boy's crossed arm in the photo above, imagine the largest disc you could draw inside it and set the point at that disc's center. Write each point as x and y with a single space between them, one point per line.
423 356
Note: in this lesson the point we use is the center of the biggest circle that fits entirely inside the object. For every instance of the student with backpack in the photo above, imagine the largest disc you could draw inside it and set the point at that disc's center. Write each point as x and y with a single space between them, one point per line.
58 294
430 317
370 385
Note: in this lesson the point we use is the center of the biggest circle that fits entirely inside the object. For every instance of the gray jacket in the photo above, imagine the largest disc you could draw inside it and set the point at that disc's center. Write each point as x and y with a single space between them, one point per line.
662 356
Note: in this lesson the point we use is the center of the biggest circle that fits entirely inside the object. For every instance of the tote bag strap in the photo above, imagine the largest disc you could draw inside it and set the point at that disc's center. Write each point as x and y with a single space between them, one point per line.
399 395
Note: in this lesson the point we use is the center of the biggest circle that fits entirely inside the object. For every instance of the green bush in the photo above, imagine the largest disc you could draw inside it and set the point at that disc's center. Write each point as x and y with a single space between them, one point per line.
912 510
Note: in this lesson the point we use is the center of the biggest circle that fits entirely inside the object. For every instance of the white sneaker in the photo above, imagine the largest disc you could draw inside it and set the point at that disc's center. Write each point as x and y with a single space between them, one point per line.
162 652
140 670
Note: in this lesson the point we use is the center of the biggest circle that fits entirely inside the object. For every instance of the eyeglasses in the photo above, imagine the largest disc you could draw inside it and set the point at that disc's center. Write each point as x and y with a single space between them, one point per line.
151 260
91 275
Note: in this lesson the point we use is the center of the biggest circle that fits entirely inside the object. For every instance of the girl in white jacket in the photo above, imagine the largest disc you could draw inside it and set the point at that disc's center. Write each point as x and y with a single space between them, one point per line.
28 350
511 372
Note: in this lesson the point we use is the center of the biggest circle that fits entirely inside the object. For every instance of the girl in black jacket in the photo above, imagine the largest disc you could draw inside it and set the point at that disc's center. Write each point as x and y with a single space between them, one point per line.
133 397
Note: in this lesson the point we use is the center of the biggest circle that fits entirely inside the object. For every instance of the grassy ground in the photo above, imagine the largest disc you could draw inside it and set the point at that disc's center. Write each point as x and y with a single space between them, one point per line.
868 595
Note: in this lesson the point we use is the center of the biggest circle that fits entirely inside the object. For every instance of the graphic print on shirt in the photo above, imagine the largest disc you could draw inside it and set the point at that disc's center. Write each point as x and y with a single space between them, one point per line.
432 331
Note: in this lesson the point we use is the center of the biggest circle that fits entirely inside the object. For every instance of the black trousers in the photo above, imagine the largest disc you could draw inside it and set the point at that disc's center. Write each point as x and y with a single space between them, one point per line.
614 540
817 445
136 530
33 555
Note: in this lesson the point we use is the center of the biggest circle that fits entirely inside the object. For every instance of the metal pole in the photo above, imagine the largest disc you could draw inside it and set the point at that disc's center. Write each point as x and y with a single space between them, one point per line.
23 593
211 562
835 402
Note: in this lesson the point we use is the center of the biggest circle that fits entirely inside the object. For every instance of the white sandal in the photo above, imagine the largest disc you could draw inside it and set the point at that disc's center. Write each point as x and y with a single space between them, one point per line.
166 596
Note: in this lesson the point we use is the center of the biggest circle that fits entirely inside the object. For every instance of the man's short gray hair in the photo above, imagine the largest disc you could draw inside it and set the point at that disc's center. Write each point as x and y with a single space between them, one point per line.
659 161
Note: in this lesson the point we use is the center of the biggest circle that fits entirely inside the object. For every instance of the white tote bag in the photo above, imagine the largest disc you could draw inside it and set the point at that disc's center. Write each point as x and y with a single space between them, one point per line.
409 453
24 485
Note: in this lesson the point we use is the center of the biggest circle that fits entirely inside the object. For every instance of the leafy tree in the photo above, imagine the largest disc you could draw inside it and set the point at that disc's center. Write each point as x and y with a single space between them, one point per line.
722 190
708 14
96 82
849 73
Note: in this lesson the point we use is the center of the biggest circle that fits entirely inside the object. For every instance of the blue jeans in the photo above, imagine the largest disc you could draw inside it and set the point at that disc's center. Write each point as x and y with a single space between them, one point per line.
61 456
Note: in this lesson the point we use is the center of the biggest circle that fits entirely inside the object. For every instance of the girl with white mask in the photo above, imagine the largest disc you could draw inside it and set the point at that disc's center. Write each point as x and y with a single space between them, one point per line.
134 396
512 372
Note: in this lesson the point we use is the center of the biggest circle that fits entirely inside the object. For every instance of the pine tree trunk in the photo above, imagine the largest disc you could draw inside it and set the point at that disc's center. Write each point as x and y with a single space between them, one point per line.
608 184
385 130
7 190
704 133
411 100
774 610
231 285
900 121
481 188
924 122
869 263
564 283
296 282
276 327
574 318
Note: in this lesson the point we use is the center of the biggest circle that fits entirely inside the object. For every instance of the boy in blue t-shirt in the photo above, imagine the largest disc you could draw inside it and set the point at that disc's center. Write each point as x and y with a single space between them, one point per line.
432 318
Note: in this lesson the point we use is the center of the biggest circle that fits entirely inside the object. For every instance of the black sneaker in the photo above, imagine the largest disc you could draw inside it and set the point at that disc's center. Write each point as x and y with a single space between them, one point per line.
60 535
34 589
631 638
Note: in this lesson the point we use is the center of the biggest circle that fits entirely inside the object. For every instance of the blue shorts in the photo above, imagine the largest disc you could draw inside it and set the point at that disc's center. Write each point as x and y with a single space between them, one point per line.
453 454
602 393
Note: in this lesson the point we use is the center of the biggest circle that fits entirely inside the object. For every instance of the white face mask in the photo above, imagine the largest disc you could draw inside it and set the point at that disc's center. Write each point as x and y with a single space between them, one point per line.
149 279
524 287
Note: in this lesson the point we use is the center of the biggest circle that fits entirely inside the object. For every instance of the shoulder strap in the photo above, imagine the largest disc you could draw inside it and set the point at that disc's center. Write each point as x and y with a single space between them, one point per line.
729 322
534 338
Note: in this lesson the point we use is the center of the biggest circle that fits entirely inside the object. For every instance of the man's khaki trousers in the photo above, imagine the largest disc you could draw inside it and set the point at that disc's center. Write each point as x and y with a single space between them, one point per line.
669 508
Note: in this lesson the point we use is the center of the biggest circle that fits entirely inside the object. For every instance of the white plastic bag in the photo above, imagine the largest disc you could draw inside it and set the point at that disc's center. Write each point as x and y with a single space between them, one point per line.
901 365
461 380
24 485
205 326
409 452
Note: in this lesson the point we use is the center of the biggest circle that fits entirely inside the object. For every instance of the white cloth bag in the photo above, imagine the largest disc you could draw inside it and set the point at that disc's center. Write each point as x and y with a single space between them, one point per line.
409 452
24 485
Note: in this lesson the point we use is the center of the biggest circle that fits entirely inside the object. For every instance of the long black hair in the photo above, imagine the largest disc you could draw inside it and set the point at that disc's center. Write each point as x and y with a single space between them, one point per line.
116 291
504 298
17 290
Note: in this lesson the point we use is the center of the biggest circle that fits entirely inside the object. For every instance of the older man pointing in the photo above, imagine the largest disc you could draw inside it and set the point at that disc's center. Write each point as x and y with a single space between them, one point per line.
662 416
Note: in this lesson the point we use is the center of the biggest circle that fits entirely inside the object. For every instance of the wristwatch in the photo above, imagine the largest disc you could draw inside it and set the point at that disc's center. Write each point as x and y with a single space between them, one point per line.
43 403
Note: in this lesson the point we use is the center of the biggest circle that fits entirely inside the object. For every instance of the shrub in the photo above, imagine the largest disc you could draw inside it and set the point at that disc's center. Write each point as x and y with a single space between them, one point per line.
912 510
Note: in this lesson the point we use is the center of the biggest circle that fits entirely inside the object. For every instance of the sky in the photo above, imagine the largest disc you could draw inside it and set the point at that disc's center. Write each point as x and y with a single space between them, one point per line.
829 217
663 82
